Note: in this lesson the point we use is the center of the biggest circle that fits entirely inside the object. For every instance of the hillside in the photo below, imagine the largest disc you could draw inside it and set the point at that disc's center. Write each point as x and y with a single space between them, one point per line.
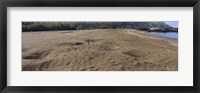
47 26
124 24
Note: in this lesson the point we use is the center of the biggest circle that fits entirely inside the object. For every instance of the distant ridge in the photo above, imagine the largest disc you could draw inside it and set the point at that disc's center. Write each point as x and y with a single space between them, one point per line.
123 24
49 26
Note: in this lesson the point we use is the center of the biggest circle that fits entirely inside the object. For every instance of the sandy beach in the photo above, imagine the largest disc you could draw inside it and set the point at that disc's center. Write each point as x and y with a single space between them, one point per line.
98 50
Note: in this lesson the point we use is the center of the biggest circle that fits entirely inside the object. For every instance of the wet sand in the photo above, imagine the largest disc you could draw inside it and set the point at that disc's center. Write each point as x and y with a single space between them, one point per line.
98 50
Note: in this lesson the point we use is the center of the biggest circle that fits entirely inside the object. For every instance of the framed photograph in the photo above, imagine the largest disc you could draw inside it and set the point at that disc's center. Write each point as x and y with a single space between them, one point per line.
135 46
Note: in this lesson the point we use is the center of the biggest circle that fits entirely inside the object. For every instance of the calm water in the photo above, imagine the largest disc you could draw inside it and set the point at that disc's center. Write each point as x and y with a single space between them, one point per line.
166 34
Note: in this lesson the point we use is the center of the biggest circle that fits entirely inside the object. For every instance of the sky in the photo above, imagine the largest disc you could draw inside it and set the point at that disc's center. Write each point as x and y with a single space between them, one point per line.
173 24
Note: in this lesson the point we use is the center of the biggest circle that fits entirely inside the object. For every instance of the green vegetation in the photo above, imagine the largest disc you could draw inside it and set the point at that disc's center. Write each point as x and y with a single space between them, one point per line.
46 26
51 26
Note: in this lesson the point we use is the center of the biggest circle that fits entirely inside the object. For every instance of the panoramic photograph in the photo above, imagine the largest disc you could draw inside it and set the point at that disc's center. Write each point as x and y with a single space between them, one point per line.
100 46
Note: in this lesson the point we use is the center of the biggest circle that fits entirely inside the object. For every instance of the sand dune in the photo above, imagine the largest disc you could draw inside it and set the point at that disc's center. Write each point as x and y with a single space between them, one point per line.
98 50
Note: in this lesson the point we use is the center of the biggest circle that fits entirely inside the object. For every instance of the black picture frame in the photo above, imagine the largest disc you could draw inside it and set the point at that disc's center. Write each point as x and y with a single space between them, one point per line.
100 3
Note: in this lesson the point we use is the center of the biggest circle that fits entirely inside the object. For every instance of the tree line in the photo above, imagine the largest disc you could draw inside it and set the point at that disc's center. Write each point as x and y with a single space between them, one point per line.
51 26
46 26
